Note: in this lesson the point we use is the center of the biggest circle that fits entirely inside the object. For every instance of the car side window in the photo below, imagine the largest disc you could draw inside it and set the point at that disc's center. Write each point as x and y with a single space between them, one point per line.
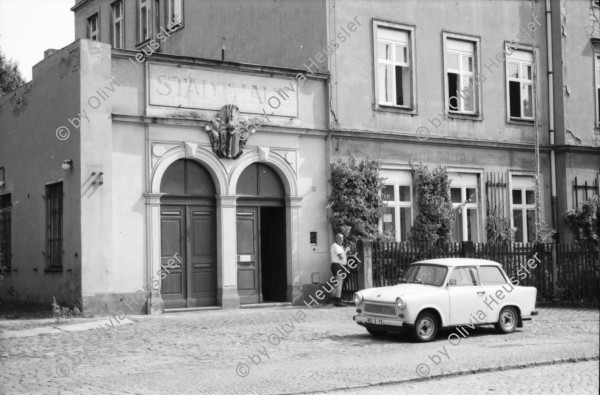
491 275
464 276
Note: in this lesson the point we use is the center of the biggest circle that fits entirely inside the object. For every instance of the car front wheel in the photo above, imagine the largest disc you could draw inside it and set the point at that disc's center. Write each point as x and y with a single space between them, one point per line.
507 321
426 327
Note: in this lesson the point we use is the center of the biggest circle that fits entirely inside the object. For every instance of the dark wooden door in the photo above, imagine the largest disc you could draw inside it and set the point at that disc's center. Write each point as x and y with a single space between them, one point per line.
173 249
248 274
202 273
188 256
273 254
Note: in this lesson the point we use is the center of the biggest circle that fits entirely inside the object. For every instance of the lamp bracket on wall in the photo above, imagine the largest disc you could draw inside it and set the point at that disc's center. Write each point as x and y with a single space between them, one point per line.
98 178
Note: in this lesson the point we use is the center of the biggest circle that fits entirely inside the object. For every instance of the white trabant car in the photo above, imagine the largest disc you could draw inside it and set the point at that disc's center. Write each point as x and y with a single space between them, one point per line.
442 293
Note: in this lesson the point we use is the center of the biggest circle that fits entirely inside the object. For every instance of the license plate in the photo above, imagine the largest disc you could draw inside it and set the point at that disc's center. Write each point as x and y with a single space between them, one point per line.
374 321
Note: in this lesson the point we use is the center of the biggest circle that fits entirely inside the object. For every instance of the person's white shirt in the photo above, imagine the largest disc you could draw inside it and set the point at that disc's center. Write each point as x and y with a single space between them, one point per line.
337 251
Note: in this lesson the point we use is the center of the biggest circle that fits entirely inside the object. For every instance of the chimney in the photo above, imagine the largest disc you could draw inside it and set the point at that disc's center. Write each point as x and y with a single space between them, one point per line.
49 52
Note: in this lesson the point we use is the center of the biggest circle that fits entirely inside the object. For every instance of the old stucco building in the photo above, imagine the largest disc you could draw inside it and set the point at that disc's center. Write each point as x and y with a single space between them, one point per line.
177 152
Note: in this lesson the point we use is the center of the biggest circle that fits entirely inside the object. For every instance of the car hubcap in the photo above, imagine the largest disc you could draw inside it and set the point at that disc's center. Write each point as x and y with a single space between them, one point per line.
426 328
507 319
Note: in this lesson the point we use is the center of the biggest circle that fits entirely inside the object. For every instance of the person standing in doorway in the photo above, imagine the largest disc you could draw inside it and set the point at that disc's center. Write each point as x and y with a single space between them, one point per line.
338 262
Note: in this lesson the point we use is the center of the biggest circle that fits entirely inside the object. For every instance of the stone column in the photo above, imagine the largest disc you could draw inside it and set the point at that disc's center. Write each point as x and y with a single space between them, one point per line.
292 213
227 295
155 303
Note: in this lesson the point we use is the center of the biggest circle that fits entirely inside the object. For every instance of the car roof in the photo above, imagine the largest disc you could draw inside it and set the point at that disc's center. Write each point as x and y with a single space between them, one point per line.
459 262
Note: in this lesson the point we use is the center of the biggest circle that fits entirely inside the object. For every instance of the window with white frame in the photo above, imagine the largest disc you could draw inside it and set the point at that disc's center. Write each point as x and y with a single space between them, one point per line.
523 208
93 33
463 194
397 194
144 20
461 90
519 80
597 88
117 24
174 13
394 67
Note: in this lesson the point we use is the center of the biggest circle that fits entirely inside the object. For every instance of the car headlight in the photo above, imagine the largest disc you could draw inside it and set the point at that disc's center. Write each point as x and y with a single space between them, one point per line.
401 302
357 298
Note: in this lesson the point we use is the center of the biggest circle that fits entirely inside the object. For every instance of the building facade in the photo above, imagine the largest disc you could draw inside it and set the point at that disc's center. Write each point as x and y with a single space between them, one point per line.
186 161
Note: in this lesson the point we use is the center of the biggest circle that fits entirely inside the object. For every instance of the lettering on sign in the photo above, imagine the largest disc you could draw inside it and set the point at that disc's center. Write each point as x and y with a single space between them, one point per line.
205 89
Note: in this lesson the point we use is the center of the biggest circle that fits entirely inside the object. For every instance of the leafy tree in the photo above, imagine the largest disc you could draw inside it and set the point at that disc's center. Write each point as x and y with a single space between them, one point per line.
356 199
435 217
10 76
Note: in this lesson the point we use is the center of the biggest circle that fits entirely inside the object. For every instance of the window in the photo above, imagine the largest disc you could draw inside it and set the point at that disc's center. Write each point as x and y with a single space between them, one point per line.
463 276
397 194
519 80
491 275
174 13
462 91
463 194
5 237
394 67
93 33
144 20
464 200
54 225
597 88
117 30
523 208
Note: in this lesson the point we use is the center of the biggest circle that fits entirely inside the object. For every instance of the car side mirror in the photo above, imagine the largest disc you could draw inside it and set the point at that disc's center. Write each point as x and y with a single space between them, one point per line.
452 281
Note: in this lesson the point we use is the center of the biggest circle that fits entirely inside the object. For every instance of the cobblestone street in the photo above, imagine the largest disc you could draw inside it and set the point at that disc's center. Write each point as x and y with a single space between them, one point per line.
290 350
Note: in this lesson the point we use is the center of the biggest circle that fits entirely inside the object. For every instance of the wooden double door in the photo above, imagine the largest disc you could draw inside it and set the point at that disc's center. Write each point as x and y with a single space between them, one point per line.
261 254
188 255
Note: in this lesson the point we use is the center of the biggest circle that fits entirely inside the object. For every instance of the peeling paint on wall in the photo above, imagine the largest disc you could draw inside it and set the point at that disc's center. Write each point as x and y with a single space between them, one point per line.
570 138
69 64
19 101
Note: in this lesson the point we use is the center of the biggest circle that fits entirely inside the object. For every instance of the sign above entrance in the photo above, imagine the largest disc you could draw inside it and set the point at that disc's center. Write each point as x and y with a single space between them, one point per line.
206 89
228 132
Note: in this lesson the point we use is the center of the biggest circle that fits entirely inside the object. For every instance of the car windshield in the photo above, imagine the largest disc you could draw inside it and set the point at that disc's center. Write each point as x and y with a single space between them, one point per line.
426 274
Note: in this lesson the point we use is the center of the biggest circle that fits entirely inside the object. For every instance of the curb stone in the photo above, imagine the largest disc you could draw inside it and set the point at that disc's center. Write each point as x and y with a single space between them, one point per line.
464 373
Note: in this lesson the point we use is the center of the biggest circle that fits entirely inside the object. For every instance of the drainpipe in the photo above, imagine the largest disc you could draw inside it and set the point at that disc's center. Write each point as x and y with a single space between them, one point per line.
551 114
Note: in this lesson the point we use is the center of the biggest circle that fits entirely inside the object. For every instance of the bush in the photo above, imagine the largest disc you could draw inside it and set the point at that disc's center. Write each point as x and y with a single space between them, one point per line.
356 199
435 217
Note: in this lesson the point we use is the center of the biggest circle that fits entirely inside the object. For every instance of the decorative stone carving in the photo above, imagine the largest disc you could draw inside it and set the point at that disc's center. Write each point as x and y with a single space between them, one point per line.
228 132
263 153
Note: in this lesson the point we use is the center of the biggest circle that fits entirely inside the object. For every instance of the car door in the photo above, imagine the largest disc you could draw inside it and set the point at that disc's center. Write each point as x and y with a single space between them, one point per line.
497 291
465 294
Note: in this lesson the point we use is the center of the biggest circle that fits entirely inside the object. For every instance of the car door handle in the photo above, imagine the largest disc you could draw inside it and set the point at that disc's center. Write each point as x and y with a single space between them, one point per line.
480 292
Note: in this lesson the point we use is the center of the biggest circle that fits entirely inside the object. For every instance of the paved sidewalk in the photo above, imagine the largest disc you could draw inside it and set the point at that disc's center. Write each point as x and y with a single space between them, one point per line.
270 351
569 378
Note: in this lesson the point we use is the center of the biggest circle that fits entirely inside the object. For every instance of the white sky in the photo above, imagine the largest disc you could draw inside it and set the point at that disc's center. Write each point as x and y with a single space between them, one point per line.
29 27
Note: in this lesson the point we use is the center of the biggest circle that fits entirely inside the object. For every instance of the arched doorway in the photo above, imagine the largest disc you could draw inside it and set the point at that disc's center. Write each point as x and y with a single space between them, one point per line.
261 236
188 236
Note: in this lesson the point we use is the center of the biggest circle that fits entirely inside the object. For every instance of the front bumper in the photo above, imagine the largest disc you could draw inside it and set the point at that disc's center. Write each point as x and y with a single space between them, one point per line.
383 323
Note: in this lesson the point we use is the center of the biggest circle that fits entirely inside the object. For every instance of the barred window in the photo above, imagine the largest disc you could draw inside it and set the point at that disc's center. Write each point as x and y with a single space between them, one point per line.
54 225
5 236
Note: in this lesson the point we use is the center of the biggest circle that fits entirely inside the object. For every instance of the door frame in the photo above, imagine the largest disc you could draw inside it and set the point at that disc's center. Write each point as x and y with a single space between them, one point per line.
257 203
188 203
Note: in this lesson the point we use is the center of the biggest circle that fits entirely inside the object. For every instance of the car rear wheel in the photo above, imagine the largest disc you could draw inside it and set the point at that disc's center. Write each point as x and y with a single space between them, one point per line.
508 320
426 327
376 332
